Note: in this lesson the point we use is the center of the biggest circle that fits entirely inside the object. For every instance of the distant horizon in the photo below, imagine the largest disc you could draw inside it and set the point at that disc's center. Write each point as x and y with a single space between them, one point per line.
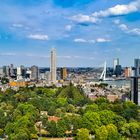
96 67
85 33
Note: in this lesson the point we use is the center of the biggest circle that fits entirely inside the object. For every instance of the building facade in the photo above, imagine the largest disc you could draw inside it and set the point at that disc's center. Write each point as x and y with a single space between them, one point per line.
53 66
34 73
21 72
118 70
135 90
6 71
128 72
137 67
115 63
64 73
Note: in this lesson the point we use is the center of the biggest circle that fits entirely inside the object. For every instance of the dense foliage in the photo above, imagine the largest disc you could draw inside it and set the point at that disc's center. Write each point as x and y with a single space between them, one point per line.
78 116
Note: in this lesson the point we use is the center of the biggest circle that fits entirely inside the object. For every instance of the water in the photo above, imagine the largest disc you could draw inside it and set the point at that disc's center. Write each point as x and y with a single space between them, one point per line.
118 83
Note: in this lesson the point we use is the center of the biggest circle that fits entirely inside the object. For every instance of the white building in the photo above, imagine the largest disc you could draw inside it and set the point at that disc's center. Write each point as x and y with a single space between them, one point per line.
20 72
115 63
53 66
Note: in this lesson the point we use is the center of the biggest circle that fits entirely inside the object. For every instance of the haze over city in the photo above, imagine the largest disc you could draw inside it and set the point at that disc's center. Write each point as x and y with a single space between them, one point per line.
84 32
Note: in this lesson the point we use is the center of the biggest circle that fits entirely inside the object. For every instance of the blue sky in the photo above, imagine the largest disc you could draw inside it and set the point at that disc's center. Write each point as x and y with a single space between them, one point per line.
84 32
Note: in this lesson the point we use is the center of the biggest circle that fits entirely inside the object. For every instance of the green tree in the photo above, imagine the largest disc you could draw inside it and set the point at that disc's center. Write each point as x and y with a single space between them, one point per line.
73 95
51 110
83 134
20 97
106 116
70 108
101 100
108 132
130 110
112 132
134 128
1 132
24 123
3 118
125 131
52 128
92 107
119 121
101 133
26 109
61 128
21 135
61 102
91 121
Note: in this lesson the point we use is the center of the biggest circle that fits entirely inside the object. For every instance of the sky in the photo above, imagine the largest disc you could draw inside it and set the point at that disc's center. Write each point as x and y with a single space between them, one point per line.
85 33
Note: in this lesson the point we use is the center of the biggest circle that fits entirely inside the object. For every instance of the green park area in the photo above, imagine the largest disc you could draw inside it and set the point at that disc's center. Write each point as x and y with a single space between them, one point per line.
67 112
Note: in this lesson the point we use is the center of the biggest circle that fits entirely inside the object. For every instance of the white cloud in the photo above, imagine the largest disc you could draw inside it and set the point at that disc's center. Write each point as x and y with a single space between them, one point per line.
118 10
102 40
7 54
38 36
80 18
126 29
68 27
135 31
17 25
123 27
80 40
98 40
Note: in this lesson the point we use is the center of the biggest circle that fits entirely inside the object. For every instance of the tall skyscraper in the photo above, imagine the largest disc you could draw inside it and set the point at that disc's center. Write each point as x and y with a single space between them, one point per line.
53 66
137 67
64 73
11 70
115 63
6 71
135 82
118 70
34 73
135 90
21 72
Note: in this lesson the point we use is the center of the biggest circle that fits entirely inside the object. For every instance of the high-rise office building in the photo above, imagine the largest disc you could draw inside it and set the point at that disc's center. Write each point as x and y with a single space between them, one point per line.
137 67
6 71
21 72
133 71
128 72
64 73
53 66
115 63
1 72
11 70
34 73
135 82
135 89
118 70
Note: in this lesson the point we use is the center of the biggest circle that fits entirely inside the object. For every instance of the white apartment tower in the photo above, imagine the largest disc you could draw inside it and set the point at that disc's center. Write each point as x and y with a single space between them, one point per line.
115 63
53 66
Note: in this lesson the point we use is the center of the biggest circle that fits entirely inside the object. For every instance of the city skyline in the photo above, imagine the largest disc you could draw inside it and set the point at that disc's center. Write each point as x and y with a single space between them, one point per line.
104 30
